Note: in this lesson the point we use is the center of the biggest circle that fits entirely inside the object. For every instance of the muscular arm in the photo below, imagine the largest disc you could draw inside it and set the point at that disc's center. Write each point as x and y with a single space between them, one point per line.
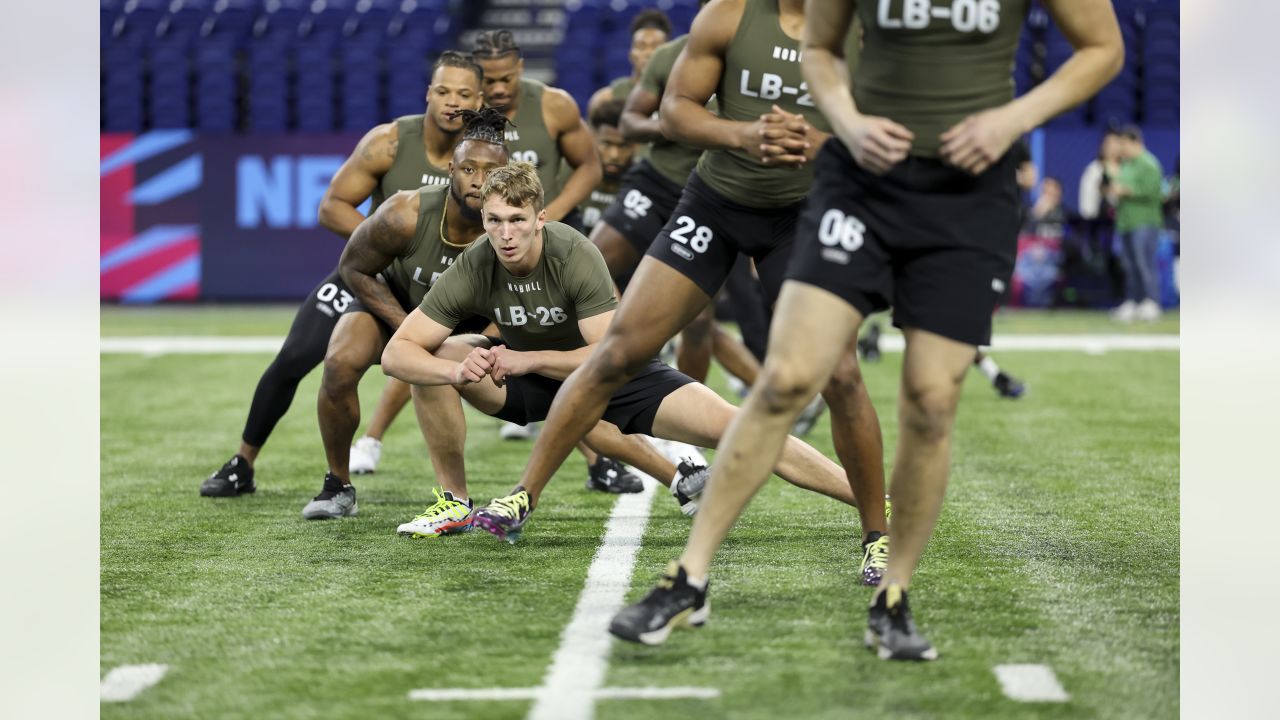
555 364
560 113
1090 26
693 80
409 354
639 122
373 246
356 180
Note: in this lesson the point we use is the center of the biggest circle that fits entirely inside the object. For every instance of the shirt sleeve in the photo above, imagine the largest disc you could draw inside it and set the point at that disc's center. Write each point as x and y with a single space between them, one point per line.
1090 197
450 299
1147 181
588 283
649 78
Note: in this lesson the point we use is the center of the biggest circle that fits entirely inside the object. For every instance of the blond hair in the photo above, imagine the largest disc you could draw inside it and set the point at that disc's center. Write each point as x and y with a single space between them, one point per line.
516 183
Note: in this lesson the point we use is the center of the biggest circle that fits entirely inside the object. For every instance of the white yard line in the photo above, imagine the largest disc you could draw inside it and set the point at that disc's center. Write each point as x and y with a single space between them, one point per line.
125 682
578 667
1030 683
228 345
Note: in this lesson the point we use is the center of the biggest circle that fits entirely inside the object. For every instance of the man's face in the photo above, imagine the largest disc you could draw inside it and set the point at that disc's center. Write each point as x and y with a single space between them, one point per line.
1051 191
643 42
502 79
1130 148
1111 147
452 89
513 231
615 153
472 161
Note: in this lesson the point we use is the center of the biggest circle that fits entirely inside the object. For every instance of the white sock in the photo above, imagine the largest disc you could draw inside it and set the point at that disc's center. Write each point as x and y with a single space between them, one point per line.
697 583
989 368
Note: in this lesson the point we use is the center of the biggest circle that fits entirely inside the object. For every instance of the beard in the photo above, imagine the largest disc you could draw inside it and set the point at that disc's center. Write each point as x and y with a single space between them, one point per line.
471 214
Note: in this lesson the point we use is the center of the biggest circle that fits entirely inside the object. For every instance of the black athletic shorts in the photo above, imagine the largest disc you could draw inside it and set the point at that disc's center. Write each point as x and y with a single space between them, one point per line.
645 200
707 231
934 243
632 408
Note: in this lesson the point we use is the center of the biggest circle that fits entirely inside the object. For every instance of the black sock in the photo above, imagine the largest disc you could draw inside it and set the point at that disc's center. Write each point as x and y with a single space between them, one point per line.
872 536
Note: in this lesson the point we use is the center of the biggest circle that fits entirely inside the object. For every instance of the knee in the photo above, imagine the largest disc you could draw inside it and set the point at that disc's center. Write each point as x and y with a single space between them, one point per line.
846 379
342 370
615 361
928 408
785 386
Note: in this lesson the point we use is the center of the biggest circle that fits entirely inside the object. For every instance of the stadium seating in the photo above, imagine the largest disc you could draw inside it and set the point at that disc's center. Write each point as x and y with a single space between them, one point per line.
329 65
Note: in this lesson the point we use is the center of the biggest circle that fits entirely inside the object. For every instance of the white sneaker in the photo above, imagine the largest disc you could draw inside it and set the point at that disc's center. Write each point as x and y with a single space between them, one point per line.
1126 312
678 452
512 431
365 455
691 480
1148 311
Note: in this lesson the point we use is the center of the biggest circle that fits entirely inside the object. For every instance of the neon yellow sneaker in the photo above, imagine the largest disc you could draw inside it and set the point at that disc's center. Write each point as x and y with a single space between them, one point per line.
445 517
875 559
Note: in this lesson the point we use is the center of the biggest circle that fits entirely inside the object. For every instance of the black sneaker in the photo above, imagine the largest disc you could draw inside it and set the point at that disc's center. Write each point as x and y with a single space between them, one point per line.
691 480
335 500
890 630
869 344
673 603
609 475
234 479
1008 386
809 416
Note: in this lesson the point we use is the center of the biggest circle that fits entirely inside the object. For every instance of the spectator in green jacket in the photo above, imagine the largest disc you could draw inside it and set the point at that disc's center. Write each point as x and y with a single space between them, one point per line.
1138 196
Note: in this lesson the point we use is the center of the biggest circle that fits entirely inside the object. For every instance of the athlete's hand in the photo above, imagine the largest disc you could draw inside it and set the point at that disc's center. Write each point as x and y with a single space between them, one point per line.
980 140
778 138
508 363
473 368
876 143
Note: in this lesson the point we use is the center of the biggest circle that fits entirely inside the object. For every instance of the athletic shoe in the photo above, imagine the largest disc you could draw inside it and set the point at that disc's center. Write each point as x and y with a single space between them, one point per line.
869 344
1126 312
365 455
334 501
809 416
691 479
890 630
673 603
678 452
875 557
1148 311
512 431
1008 386
668 353
446 517
609 475
505 517
737 387
235 478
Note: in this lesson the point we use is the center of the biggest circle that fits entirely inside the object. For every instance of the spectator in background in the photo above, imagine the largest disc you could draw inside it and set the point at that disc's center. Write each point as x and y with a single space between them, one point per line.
1040 247
1138 196
1097 212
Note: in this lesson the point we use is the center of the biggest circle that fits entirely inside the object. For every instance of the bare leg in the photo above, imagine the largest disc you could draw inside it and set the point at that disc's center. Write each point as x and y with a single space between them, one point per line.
619 254
668 302
932 371
395 395
855 432
734 356
693 356
439 411
355 345
795 369
249 452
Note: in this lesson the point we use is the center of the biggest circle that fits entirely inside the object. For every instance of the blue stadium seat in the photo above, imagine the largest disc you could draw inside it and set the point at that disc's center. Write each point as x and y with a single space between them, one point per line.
231 20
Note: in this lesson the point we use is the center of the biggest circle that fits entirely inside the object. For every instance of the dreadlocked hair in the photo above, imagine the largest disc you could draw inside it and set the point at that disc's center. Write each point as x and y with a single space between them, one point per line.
488 125
495 43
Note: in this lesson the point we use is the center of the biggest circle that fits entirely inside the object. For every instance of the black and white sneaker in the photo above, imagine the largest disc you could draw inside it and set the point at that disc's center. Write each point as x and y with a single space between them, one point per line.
690 481
890 630
673 603
336 500
1008 386
234 479
869 344
609 475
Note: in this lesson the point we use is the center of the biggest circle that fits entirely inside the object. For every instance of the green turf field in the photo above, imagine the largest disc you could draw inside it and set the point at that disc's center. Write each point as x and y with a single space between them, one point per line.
1058 545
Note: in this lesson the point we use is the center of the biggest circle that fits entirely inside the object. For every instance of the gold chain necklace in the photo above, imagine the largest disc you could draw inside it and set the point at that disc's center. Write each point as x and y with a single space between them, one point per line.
444 214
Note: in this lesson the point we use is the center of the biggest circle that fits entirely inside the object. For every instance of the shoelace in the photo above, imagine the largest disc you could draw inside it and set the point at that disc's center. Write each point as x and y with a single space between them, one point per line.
508 507
877 553
441 506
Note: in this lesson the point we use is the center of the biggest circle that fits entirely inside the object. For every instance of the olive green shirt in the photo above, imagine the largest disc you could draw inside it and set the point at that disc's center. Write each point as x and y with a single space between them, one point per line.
429 254
928 65
1144 207
529 140
410 170
673 160
539 311
761 69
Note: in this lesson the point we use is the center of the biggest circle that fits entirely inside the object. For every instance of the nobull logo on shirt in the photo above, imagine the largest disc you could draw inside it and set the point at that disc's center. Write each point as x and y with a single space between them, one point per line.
524 287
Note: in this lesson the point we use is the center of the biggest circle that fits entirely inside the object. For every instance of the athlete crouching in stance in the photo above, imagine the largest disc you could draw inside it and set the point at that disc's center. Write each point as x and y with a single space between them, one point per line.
549 292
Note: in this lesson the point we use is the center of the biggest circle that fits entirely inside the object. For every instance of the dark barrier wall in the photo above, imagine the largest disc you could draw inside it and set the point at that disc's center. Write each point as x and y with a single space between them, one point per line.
226 217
